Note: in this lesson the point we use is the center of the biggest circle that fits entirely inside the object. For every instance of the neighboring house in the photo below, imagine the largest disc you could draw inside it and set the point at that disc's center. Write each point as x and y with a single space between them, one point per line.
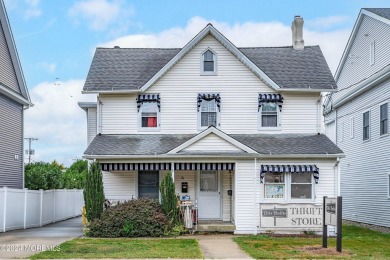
357 119
239 128
14 99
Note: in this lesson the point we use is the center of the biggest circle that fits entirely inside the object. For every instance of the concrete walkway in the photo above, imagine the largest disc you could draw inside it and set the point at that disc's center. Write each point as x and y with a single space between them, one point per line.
219 247
26 242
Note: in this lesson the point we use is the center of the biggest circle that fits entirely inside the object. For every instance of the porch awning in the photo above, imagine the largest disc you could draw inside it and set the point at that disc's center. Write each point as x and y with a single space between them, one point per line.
290 169
148 98
165 166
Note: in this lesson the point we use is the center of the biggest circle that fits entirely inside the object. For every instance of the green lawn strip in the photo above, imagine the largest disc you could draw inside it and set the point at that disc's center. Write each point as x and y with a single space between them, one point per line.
125 248
357 243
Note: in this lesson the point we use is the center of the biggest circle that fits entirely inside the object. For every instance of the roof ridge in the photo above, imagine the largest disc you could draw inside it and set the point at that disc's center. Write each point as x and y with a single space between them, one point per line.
127 48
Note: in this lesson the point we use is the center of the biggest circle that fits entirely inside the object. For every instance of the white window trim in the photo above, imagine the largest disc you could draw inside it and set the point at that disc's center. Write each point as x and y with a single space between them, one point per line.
287 192
372 53
200 127
369 126
352 128
148 129
382 135
267 128
209 73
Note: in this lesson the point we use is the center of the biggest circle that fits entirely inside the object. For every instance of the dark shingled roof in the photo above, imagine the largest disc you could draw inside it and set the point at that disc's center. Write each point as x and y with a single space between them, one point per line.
384 12
130 69
157 144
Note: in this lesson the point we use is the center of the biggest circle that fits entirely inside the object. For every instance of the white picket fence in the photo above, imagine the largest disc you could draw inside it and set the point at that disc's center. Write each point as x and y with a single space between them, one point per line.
23 208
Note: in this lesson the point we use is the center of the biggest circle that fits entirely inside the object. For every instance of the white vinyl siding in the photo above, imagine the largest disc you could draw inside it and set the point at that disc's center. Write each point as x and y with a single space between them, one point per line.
227 184
119 186
91 124
179 89
372 53
330 131
352 127
212 142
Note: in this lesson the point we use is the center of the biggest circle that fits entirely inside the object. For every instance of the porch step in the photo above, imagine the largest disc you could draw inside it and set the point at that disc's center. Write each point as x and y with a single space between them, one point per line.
223 227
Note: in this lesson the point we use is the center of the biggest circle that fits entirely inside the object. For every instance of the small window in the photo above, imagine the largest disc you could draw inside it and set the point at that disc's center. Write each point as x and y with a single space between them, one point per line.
208 63
274 185
384 119
301 185
209 181
352 128
149 115
366 125
372 53
269 115
208 113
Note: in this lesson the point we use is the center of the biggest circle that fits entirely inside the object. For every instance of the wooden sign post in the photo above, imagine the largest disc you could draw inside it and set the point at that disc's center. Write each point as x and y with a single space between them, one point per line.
332 215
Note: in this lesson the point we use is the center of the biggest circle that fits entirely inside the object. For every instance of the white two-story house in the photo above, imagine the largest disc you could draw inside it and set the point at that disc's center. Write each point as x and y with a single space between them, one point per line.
357 116
238 128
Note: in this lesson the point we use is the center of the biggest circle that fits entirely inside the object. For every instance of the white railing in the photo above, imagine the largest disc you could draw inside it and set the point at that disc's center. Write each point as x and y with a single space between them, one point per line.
23 208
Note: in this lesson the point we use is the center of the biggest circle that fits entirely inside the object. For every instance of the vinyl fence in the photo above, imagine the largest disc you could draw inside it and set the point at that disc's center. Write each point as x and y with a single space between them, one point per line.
23 208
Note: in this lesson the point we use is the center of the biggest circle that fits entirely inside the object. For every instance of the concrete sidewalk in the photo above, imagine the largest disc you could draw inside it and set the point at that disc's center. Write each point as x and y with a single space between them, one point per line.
26 242
220 246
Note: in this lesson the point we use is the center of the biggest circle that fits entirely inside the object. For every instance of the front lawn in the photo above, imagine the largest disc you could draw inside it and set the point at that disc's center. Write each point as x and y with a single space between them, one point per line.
125 248
357 243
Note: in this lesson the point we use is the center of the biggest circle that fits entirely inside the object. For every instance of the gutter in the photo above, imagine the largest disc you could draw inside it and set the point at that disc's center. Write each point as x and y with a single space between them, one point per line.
235 156
306 90
14 96
111 91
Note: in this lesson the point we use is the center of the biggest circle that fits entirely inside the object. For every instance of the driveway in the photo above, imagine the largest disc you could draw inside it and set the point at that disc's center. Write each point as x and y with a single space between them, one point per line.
26 242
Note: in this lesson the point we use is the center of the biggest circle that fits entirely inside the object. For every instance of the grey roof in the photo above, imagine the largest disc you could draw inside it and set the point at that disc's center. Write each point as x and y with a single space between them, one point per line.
130 69
157 144
384 12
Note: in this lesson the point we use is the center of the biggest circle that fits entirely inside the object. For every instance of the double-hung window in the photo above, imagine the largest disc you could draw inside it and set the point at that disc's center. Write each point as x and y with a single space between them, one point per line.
270 106
301 185
148 112
366 125
384 119
274 185
208 110
208 63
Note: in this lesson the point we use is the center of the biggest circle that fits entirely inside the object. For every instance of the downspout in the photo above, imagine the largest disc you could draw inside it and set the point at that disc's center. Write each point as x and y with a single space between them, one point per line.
255 198
337 177
173 172
319 101
99 115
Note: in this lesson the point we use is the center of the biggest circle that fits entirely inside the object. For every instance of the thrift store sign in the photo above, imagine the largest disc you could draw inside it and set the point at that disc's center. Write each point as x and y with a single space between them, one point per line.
290 216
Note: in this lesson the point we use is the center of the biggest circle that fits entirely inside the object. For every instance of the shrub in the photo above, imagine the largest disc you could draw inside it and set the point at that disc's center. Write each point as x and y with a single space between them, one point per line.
41 175
74 176
169 201
135 218
93 192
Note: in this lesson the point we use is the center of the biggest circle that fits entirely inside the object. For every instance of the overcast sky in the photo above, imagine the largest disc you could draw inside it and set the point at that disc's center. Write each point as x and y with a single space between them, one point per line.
56 40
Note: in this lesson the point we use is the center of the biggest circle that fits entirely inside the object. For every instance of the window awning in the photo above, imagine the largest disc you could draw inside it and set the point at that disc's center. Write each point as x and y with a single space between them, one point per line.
209 97
289 169
275 98
165 166
148 98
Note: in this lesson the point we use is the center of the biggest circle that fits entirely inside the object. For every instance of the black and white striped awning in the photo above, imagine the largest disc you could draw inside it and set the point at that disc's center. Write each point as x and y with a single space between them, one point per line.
268 98
290 169
209 97
135 166
165 166
148 98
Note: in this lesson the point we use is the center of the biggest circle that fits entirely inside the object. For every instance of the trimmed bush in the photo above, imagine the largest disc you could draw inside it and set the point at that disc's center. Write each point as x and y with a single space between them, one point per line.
93 192
169 201
135 218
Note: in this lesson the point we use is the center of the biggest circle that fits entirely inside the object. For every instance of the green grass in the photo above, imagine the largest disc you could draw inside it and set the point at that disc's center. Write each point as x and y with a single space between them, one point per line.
125 248
358 243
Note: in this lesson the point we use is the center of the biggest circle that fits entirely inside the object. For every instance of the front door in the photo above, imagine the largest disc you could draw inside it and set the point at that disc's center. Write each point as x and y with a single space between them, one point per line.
148 184
209 198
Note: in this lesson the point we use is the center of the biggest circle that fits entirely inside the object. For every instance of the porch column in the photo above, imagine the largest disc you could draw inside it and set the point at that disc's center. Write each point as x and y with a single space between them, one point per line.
173 171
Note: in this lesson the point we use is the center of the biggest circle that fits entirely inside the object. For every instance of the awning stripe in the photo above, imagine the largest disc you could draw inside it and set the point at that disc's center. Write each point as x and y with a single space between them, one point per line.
290 169
166 166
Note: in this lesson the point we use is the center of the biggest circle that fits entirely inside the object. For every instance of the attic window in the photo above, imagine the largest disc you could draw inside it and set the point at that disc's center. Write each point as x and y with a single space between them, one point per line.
209 63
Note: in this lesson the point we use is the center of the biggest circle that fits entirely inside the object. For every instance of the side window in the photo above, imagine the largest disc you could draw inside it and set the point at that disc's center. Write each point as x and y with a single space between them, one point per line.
208 110
148 112
208 63
384 112
274 185
269 108
366 125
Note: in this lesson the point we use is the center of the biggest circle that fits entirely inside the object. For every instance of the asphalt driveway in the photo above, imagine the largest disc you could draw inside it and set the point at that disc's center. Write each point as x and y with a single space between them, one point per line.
26 242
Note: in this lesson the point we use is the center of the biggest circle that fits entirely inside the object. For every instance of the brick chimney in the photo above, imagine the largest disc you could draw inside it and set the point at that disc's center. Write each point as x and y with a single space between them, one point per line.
297 33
